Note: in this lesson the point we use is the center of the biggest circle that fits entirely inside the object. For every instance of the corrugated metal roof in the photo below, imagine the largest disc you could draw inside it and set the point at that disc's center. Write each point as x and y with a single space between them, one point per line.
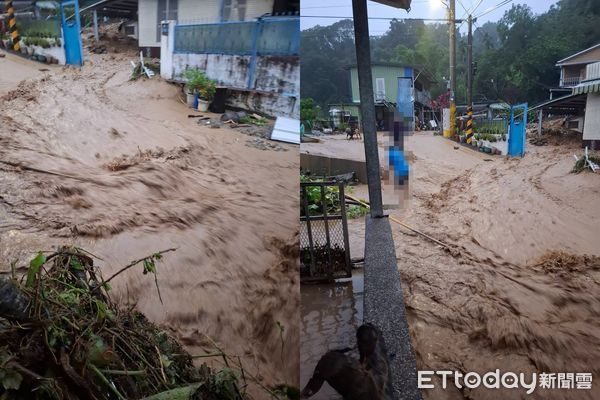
588 87
566 104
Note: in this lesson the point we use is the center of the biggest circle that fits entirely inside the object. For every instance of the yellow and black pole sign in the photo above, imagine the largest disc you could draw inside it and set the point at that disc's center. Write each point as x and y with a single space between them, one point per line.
12 25
469 124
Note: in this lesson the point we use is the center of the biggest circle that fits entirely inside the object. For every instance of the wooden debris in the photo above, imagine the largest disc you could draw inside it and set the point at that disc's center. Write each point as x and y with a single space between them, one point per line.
539 141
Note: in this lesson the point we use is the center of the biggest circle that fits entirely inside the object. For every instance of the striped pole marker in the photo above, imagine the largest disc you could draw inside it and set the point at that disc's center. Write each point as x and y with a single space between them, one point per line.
12 25
470 125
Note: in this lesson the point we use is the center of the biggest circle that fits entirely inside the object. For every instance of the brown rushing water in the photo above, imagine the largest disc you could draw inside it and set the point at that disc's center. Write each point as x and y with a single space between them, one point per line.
520 289
122 172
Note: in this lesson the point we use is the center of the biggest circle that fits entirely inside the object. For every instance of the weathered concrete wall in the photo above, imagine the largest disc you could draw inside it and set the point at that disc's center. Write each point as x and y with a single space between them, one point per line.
591 127
276 83
329 166
272 87
273 104
227 70
278 74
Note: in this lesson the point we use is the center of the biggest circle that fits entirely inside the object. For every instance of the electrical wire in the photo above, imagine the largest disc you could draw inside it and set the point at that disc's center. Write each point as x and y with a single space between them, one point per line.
472 9
349 5
462 5
489 10
380 18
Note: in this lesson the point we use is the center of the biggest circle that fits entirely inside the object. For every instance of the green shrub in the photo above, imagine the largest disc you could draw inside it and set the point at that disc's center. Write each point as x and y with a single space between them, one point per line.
198 82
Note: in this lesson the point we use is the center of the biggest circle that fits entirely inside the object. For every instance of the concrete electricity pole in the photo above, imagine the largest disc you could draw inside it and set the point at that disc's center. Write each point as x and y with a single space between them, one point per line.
452 18
470 62
470 81
367 106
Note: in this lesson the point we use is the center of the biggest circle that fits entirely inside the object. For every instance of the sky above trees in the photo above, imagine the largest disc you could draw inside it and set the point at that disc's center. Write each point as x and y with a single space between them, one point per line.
516 54
420 9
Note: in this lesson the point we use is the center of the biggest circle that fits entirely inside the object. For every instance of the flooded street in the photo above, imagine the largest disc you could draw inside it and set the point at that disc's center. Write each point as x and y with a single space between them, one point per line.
90 158
517 289
331 313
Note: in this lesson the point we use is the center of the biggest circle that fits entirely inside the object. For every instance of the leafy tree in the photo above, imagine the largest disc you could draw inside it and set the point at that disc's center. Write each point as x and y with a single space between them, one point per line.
516 55
308 112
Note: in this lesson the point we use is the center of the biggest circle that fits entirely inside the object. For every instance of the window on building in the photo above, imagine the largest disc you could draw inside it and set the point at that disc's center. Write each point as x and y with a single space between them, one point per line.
130 30
234 10
167 10
380 88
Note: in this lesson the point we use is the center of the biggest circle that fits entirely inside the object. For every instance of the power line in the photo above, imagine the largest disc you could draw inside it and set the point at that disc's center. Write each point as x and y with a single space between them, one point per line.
350 5
489 10
380 18
462 5
472 9
475 8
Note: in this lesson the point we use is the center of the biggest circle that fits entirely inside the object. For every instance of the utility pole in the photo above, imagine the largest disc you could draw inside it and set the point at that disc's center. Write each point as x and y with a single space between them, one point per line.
452 18
470 80
367 106
470 62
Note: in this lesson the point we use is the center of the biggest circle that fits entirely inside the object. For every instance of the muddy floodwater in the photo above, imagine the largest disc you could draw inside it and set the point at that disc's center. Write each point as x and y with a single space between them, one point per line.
330 313
518 287
90 158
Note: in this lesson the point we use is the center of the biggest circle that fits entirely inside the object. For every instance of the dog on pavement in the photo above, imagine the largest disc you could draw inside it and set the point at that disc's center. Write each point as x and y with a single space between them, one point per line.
350 134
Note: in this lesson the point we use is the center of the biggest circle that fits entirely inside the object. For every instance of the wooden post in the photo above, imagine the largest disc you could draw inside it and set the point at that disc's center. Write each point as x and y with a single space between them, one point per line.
540 113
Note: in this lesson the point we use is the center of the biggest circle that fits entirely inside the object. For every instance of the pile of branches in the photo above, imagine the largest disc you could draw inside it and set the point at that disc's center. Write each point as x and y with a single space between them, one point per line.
138 70
61 337
582 165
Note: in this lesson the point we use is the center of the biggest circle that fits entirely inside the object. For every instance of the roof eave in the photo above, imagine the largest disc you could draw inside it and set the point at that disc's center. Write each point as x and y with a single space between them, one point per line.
577 54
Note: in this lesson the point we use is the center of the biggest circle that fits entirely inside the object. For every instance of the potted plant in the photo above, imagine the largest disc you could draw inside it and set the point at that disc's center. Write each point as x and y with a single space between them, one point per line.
193 83
206 93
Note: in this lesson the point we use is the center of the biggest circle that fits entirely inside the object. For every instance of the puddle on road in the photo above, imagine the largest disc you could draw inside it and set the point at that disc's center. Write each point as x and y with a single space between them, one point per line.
330 315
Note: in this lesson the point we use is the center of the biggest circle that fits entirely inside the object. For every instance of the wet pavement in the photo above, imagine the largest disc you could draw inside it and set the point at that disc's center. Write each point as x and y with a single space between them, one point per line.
330 315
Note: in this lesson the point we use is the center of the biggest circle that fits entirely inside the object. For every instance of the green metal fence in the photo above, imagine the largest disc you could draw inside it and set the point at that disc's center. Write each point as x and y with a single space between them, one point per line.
48 28
266 36
495 126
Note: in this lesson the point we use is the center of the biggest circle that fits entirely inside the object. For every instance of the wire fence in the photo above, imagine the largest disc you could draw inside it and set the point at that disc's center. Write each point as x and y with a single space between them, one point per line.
324 242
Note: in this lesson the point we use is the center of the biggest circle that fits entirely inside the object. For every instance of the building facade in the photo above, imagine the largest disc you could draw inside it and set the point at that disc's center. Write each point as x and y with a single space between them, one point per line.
573 68
152 12
394 87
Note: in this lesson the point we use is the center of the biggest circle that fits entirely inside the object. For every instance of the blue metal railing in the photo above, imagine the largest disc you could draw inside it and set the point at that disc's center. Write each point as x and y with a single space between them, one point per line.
277 36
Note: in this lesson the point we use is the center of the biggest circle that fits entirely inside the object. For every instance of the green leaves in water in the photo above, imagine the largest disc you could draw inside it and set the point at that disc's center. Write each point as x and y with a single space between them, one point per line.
34 268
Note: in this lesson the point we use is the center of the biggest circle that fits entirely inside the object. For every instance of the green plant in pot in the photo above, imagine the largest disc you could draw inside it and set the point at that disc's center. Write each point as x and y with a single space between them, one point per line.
207 93
194 78
198 83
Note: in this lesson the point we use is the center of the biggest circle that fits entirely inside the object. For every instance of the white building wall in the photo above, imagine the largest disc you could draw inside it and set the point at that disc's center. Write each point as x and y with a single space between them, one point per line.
591 127
256 8
191 11
148 14
206 11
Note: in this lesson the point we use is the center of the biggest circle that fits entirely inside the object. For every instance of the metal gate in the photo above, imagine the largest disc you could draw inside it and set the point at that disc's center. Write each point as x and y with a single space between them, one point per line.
324 244
69 16
516 134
